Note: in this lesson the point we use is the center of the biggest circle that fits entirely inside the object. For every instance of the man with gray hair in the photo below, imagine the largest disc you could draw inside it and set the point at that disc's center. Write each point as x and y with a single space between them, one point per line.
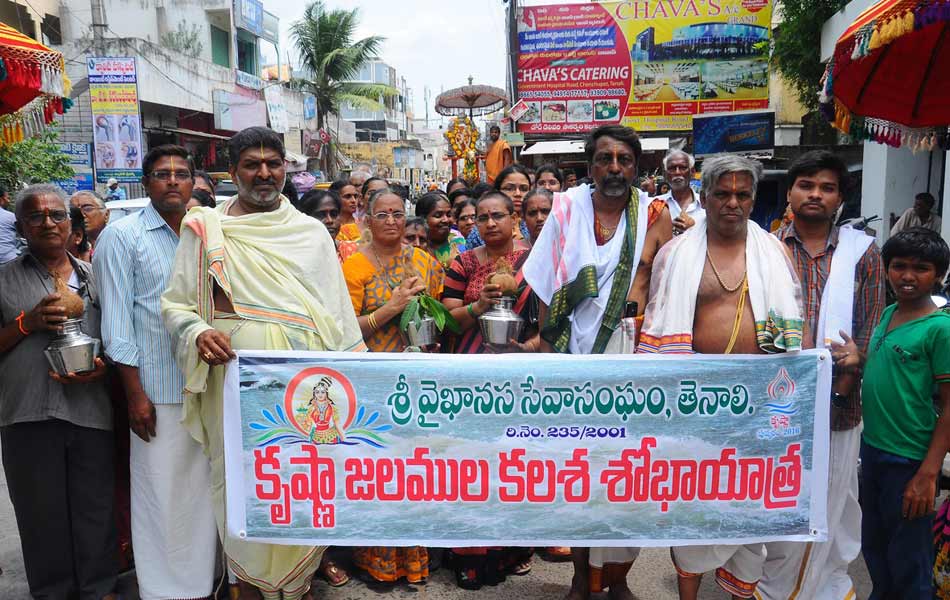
747 279
94 211
685 207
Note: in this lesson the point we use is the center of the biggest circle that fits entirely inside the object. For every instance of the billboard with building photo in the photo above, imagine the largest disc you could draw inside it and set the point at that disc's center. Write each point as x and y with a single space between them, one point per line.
646 64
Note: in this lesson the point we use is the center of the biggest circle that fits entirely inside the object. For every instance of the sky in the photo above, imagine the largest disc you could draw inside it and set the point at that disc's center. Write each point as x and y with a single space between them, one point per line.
434 43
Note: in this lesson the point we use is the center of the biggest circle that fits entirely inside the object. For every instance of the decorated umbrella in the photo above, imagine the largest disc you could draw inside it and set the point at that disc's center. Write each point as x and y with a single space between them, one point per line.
888 78
33 85
471 100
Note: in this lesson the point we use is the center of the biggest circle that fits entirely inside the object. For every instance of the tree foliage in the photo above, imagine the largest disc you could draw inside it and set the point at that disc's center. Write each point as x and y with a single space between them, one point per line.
331 58
34 160
797 50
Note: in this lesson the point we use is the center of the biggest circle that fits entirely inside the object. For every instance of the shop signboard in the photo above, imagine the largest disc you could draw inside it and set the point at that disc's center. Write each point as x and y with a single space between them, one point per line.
113 91
237 109
78 154
750 132
249 15
650 64
276 110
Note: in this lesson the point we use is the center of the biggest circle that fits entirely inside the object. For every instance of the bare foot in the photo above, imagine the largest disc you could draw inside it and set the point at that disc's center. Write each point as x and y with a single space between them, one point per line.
620 591
580 589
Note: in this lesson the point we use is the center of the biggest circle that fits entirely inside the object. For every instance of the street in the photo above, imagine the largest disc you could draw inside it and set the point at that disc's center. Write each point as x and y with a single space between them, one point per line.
652 577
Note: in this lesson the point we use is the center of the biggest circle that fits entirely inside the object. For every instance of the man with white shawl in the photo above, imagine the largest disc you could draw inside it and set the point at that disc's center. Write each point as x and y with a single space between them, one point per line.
727 272
843 282
253 274
591 265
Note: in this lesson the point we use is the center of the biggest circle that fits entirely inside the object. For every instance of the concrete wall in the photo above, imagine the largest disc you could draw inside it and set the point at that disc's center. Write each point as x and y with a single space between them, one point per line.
835 26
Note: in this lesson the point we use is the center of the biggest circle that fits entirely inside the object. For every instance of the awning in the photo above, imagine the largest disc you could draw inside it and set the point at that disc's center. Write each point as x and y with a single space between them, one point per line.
656 144
191 132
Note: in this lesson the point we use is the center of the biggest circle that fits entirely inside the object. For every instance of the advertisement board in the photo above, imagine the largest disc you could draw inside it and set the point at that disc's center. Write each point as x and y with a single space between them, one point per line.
750 132
235 110
113 92
249 15
276 111
454 451
646 64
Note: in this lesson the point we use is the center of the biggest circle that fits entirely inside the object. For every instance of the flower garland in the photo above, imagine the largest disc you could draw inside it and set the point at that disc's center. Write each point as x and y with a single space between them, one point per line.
462 136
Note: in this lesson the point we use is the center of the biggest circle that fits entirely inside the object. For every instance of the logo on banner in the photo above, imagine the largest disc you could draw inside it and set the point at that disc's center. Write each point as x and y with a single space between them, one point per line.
319 407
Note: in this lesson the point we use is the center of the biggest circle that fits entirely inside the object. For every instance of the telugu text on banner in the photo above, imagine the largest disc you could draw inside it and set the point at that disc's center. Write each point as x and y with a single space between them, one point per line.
530 450
646 64
113 90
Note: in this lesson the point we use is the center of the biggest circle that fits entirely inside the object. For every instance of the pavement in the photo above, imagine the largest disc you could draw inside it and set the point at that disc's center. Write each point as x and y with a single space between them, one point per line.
652 577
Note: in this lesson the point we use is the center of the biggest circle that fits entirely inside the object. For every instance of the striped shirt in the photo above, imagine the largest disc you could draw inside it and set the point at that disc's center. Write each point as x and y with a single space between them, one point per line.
868 301
133 263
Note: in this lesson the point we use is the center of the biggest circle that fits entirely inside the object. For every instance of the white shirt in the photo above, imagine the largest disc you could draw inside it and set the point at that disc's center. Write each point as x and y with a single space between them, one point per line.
694 209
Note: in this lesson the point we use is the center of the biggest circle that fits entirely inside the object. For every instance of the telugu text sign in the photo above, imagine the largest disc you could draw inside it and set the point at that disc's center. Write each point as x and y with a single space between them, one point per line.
532 450
117 132
647 64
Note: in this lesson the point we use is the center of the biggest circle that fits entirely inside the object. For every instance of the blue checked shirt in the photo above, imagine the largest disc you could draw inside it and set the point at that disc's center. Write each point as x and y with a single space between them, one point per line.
132 263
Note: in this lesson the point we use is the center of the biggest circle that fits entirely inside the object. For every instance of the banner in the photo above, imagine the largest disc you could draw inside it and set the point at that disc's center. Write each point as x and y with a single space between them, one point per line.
750 132
113 92
646 64
526 450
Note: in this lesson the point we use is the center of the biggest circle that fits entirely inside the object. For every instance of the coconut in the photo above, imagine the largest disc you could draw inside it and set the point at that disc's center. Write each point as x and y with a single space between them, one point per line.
69 299
504 278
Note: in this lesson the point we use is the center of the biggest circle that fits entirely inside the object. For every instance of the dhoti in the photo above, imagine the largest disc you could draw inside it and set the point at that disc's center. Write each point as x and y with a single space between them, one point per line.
819 570
738 568
608 565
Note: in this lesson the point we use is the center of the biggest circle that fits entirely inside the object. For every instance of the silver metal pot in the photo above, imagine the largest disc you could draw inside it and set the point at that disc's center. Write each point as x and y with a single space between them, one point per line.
425 334
501 323
72 351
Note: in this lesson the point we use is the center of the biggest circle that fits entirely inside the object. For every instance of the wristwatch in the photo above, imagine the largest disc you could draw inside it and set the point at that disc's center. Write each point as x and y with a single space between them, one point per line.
839 400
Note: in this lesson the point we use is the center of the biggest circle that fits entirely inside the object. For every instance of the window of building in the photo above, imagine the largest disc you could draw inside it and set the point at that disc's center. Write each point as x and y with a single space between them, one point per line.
220 47
18 17
247 53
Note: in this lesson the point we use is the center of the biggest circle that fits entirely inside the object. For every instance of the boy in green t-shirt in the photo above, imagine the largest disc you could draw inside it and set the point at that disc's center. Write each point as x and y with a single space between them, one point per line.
904 440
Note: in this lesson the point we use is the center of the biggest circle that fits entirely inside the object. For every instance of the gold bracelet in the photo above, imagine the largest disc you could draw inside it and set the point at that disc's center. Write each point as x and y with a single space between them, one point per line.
372 321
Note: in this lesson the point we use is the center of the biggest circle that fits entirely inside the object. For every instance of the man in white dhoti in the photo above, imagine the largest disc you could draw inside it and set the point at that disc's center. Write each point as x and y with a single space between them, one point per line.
842 279
173 533
591 265
746 280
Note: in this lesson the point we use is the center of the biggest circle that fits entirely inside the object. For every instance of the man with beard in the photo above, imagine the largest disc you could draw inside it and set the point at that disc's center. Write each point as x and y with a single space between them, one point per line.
498 156
253 273
602 242
172 520
685 208
843 282
745 279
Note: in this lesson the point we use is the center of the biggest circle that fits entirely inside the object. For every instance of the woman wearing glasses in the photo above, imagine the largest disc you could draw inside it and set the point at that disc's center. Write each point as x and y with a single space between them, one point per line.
515 183
443 243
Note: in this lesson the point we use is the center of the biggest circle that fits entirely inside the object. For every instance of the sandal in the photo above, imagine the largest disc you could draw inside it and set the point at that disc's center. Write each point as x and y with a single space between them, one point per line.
557 554
331 572
521 568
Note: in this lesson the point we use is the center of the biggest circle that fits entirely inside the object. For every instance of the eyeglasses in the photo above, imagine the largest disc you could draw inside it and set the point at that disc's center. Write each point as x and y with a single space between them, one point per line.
510 188
327 214
168 175
382 217
495 216
466 218
605 160
35 219
89 208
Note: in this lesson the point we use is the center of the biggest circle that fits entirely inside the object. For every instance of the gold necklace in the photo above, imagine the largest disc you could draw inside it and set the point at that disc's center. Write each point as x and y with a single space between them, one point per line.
731 290
605 233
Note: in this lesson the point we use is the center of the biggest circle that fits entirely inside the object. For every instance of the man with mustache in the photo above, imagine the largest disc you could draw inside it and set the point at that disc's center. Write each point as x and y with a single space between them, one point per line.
685 208
253 273
842 278
173 530
603 241
746 280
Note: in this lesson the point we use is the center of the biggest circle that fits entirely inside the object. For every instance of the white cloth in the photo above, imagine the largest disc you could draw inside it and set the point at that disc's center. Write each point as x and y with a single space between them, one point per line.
173 527
610 556
774 293
566 245
738 568
819 571
837 299
910 219
694 210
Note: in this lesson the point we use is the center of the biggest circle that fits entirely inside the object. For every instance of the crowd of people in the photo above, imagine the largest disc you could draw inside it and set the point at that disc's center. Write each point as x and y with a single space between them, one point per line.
176 288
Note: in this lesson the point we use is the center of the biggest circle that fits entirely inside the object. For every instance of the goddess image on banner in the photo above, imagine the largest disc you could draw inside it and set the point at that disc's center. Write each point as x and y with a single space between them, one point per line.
455 451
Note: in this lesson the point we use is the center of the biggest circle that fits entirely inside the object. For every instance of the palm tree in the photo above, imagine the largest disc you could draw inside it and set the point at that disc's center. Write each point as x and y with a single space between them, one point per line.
330 58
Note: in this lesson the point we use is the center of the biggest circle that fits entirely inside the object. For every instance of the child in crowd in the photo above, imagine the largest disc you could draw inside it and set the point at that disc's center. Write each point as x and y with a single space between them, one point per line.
905 438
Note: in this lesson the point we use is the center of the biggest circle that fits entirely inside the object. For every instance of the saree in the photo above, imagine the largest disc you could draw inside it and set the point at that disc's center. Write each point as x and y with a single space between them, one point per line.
464 281
344 250
447 252
349 232
370 288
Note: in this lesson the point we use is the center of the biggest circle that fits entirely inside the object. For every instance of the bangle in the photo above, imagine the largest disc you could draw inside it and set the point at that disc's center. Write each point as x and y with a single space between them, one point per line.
19 323
372 321
471 311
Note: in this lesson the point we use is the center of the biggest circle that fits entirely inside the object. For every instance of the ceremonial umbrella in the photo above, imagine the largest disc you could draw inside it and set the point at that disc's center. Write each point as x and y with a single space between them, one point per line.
888 78
471 100
33 85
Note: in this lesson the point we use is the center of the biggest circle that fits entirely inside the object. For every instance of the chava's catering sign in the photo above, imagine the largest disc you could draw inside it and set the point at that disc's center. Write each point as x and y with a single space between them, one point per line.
648 64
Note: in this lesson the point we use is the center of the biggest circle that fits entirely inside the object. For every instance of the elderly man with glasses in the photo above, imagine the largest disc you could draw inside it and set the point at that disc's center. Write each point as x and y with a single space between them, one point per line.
55 431
94 211
173 531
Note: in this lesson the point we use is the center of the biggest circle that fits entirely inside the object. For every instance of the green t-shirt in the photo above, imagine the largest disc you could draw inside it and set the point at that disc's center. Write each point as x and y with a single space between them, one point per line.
903 365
